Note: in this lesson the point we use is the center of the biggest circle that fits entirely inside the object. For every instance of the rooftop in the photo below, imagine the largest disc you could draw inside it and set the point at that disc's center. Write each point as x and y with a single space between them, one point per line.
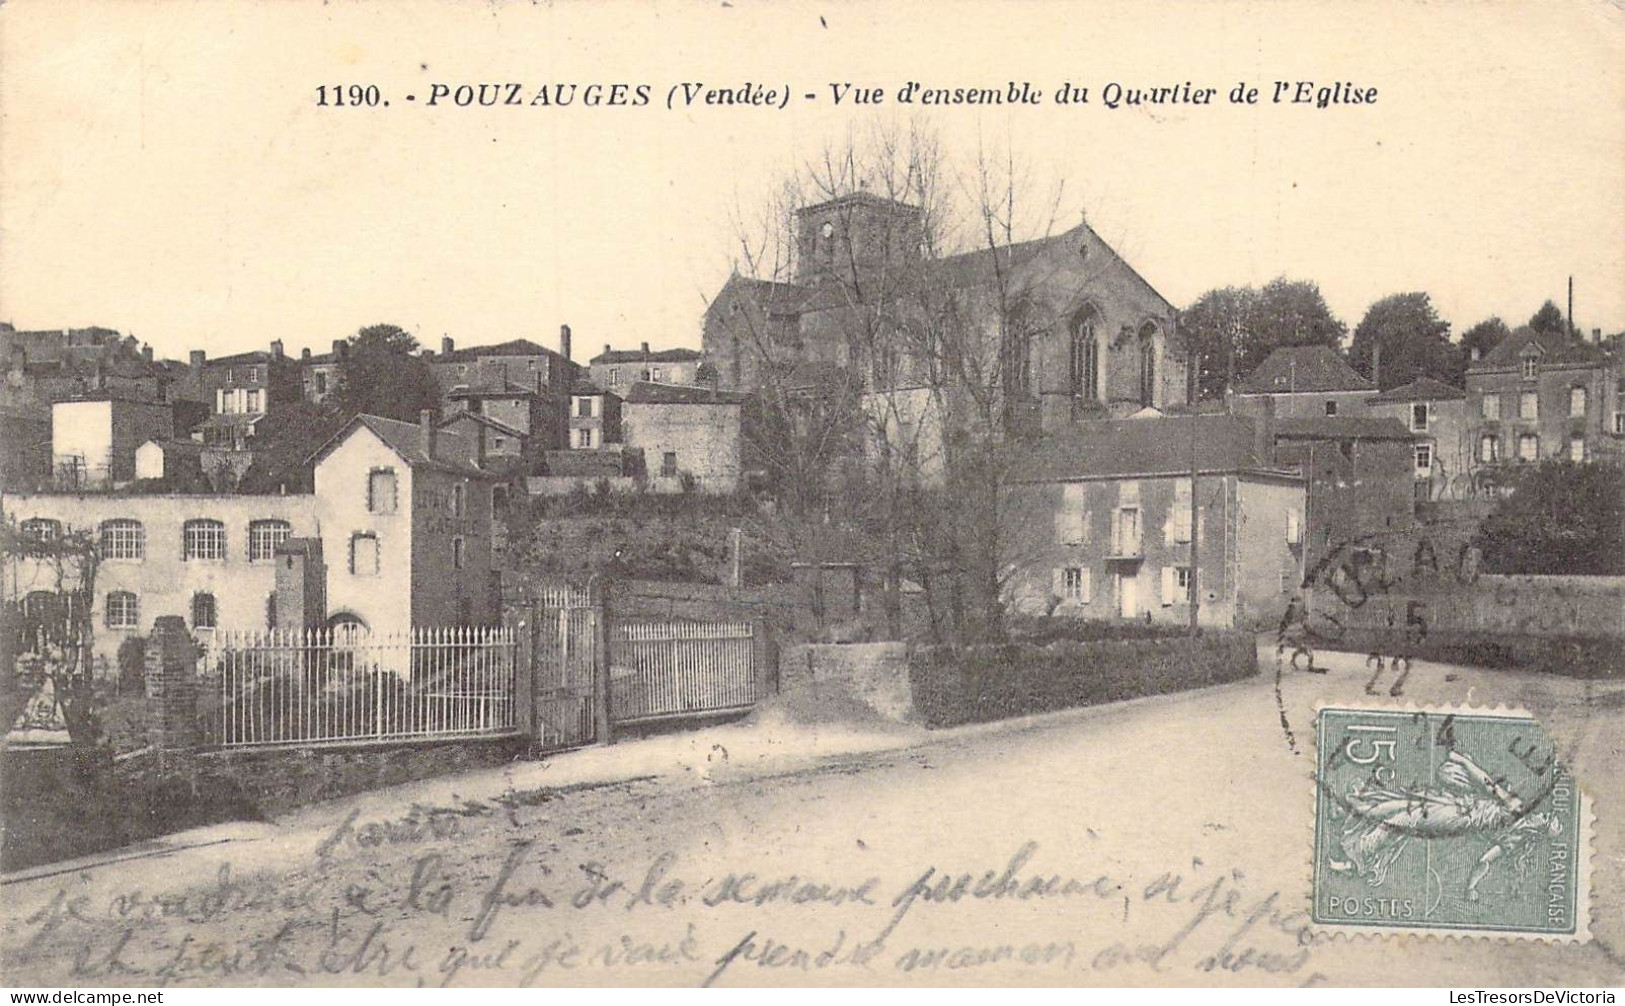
1341 428
513 347
1303 369
1423 389
1133 448
452 452
649 393
651 356
1552 347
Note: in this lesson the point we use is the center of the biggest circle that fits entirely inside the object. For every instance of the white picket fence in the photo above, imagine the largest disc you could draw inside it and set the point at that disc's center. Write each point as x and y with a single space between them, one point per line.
661 669
347 686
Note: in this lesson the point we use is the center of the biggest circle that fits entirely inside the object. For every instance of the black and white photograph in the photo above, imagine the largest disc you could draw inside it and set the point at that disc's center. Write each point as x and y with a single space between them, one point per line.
812 495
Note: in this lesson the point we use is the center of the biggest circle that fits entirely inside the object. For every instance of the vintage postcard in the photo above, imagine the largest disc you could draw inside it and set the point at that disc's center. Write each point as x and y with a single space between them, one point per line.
854 494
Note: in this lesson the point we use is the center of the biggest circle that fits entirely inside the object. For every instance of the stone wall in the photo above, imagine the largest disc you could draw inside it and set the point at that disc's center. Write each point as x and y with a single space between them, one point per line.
872 675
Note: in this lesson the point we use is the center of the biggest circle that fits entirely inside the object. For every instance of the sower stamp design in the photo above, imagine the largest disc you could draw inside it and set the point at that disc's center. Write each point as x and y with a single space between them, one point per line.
1459 821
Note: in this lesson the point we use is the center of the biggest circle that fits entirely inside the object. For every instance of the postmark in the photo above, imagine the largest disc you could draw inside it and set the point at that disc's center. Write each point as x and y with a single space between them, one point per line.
1455 821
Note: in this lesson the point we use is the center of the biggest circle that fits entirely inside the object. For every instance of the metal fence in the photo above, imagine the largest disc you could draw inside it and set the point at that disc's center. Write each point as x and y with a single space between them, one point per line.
660 669
343 686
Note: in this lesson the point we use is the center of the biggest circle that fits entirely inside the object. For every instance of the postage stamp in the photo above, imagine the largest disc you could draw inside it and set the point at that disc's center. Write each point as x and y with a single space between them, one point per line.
1460 821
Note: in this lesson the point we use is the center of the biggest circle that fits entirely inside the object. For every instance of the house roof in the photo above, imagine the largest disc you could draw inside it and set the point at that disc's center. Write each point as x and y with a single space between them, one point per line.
255 356
513 347
649 393
406 440
483 420
230 420
653 356
1131 448
1303 369
502 388
1341 428
1554 347
1423 389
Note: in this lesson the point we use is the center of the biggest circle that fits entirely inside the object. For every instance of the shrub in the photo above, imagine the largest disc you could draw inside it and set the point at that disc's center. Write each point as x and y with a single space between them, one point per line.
132 665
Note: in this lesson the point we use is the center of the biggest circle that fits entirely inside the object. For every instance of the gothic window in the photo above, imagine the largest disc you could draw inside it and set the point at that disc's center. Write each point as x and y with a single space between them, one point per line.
1148 364
1083 356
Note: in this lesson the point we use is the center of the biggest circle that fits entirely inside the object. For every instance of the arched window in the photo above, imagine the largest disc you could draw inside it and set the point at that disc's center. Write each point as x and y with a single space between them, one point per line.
123 610
123 539
41 529
1083 355
203 539
1148 364
203 611
263 538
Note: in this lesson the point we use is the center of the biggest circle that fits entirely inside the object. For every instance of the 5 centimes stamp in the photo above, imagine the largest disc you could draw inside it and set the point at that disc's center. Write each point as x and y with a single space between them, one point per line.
1457 821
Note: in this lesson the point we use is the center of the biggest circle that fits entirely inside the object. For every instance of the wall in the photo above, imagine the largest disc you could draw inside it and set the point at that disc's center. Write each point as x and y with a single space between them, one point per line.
1554 424
706 439
497 445
82 440
1357 488
384 601
871 676
1448 433
443 594
162 581
1307 404
1269 568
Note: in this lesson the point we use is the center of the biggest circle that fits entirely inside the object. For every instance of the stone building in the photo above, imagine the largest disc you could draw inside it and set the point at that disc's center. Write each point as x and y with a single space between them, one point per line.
688 435
1062 326
401 515
1540 395
1304 382
616 370
320 374
94 439
1113 502
503 374
240 390
595 417
1435 413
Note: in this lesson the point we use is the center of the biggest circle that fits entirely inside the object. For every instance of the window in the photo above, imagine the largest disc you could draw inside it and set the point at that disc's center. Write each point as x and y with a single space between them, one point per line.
1489 449
321 382
1126 536
203 539
123 539
1180 516
1148 365
1331 407
497 443
457 553
41 529
1619 422
668 464
458 500
1176 585
1294 526
584 437
1083 360
614 376
1424 461
381 490
263 538
1531 367
1577 448
1577 401
1528 447
1529 405
255 375
123 611
657 374
1419 417
255 401
1072 522
364 554
1491 406
584 408
203 613
1072 585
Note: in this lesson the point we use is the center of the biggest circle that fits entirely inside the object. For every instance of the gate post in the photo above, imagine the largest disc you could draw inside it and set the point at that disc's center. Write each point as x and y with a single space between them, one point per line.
171 690
603 725
520 619
766 660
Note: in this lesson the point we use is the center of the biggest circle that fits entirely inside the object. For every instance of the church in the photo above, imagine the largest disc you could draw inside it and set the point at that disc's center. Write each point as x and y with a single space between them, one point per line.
1083 336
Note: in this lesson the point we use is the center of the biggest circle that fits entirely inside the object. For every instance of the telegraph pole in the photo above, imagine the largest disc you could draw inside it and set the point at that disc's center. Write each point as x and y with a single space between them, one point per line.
1195 418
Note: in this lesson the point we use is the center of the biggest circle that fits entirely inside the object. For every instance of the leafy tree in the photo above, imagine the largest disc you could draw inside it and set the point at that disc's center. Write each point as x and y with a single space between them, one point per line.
383 375
1561 517
1484 336
1415 341
285 439
1549 320
1235 328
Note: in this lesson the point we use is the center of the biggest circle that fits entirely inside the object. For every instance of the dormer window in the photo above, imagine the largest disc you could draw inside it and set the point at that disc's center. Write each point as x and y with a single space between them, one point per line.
1531 367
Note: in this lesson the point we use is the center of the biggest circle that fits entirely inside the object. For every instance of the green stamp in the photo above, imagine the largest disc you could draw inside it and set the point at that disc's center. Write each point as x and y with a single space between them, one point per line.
1453 821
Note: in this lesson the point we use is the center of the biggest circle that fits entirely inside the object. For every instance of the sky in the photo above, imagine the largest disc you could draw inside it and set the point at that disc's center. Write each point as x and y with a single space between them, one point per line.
165 168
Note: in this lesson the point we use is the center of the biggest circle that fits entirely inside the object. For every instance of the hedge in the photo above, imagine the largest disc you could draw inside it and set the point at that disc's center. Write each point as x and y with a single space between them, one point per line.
982 683
1584 657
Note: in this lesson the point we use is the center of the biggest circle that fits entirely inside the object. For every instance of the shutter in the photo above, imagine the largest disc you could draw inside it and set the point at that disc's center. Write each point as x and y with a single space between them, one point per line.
1058 583
1061 521
1292 529
1169 586
1088 590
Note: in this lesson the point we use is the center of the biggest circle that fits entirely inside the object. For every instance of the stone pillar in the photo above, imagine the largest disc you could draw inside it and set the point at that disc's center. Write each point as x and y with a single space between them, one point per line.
171 687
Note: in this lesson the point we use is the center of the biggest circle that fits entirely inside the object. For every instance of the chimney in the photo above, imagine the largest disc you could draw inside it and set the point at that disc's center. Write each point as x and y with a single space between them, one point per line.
1376 365
446 345
564 341
1596 336
276 349
426 425
646 350
606 349
340 347
146 352
480 432
304 354
1264 432
199 357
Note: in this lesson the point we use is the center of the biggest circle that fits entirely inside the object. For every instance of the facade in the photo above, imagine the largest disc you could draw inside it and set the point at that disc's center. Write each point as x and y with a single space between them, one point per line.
399 515
94 440
240 390
1304 382
507 371
319 375
1118 496
595 418
1441 443
1361 478
1540 395
616 370
502 446
1084 337
687 434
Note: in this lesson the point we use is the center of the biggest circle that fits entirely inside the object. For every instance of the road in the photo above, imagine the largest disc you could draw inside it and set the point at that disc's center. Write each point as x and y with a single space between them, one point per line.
1164 841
